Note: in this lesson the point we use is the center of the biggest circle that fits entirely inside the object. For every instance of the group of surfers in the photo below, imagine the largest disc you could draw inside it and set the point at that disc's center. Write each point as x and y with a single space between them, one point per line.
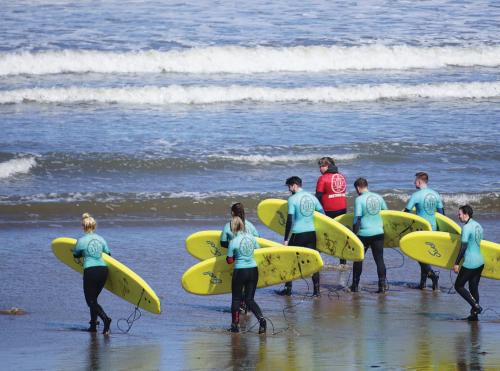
239 237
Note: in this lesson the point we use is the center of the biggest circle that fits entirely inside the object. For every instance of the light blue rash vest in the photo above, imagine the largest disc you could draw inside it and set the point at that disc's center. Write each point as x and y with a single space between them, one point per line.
426 202
472 234
367 206
241 248
302 206
90 247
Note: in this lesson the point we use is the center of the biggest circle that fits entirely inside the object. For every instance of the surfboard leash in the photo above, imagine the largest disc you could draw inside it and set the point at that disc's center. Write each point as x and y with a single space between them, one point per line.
134 316
286 307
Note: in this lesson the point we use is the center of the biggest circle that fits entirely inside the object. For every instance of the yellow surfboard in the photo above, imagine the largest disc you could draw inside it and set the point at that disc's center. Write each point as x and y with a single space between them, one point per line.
332 238
277 265
441 250
396 225
445 224
206 244
122 281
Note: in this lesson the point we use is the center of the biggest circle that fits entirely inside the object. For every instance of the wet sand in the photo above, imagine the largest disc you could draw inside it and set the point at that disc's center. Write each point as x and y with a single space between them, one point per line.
404 329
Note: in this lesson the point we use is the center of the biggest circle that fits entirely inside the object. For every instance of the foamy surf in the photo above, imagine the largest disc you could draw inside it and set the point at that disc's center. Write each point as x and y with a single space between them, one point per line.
177 94
282 159
248 60
16 166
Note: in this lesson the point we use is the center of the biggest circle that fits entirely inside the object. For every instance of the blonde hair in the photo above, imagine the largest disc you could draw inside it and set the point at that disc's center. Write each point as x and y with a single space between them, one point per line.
237 224
88 223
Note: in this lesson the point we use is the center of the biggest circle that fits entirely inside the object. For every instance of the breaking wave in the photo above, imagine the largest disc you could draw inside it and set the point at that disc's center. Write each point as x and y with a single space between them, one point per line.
177 94
248 60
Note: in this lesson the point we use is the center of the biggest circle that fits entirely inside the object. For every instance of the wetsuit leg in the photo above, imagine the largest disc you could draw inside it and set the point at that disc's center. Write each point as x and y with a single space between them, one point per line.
94 279
377 245
357 267
236 289
307 239
425 269
474 283
463 277
252 277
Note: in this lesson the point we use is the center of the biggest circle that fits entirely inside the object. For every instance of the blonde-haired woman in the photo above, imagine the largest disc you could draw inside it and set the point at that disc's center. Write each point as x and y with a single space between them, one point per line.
245 275
95 272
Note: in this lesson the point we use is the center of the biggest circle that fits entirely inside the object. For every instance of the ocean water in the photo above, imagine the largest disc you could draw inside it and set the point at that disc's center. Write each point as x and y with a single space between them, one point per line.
156 116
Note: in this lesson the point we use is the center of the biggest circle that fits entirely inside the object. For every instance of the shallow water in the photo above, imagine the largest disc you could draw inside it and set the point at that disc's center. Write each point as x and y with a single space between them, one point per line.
404 329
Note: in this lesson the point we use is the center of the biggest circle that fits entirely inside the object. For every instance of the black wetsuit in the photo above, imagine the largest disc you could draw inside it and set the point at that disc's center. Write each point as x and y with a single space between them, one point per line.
245 279
305 239
376 243
94 279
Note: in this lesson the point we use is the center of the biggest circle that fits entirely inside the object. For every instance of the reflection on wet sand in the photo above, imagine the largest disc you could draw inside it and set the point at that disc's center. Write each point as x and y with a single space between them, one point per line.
352 331
468 349
103 355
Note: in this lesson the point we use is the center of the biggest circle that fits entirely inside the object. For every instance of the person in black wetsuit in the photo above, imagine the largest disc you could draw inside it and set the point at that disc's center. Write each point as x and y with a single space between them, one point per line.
473 265
95 271
245 275
227 235
369 227
299 229
426 203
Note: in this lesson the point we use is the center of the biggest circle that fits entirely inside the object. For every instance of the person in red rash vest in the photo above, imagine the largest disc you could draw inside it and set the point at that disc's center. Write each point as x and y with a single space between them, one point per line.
331 189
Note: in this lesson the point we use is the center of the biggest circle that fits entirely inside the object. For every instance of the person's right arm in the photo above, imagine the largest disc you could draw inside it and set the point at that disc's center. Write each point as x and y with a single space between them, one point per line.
410 204
358 213
78 250
230 253
289 221
288 227
463 246
223 237
319 188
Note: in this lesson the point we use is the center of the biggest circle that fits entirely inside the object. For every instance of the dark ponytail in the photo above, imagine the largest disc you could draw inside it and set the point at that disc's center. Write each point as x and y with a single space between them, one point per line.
238 210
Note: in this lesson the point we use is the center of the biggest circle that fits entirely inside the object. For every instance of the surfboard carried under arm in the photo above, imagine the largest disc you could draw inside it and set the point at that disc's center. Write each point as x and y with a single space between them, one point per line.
441 249
332 237
122 281
276 265
396 225
206 244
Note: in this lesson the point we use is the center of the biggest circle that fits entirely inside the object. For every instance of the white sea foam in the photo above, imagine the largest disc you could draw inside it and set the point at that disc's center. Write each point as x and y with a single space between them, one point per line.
246 60
16 166
459 199
455 199
286 159
176 94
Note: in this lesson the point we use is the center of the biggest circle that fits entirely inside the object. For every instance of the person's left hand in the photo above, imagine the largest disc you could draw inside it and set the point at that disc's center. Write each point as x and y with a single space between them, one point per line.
456 268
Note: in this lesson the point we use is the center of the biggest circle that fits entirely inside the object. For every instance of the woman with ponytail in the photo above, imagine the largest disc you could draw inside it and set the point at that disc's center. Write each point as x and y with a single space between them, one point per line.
245 275
227 235
95 272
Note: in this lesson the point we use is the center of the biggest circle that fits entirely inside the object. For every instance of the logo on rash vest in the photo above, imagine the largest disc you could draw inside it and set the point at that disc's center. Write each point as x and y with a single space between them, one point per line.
430 203
372 205
478 236
94 248
338 183
246 246
306 205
